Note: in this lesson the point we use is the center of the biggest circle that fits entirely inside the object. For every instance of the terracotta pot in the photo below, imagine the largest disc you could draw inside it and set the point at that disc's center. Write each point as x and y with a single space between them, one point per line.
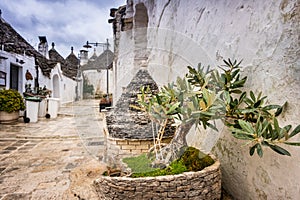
6 117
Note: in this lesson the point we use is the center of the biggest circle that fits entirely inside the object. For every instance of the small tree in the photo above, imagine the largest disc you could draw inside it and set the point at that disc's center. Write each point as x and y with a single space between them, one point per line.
203 96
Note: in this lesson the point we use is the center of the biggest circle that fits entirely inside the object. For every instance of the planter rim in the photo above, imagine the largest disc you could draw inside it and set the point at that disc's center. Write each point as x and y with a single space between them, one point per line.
204 171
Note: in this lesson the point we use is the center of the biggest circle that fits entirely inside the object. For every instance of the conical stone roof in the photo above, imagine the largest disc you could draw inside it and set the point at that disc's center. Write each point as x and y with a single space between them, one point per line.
125 122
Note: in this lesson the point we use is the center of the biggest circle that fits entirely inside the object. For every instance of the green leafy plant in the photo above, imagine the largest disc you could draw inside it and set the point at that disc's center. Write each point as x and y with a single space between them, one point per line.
204 95
11 101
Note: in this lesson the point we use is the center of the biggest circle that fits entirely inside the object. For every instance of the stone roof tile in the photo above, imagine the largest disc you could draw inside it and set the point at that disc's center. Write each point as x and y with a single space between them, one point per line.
13 42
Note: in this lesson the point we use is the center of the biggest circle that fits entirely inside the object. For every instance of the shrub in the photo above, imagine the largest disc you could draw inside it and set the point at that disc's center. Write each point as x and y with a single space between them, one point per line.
11 101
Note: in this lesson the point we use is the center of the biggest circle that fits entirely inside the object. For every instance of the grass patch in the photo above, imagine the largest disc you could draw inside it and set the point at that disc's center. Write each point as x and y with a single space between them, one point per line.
191 160
139 164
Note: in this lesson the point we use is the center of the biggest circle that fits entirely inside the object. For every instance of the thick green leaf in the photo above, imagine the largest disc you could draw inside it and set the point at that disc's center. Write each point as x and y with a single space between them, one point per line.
284 132
259 95
259 150
173 108
252 150
252 96
258 103
248 101
226 63
239 83
236 91
293 143
227 97
235 72
276 125
271 107
295 131
242 97
242 136
251 110
265 125
278 111
158 99
279 150
246 126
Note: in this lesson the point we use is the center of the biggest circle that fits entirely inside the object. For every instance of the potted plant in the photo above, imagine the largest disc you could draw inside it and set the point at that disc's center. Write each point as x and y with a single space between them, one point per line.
200 98
11 102
105 101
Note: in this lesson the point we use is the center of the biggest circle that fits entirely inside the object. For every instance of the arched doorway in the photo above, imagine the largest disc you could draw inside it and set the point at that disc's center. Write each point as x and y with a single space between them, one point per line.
56 91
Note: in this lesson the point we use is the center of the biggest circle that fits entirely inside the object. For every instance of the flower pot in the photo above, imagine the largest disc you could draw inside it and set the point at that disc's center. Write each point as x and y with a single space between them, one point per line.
6 117
204 184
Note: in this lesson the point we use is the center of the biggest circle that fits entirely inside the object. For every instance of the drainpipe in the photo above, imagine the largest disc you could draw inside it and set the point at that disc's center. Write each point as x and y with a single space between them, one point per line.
107 71
36 82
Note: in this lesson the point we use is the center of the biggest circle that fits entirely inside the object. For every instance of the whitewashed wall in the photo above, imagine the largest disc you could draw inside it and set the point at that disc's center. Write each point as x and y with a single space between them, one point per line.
265 34
99 80
66 86
29 65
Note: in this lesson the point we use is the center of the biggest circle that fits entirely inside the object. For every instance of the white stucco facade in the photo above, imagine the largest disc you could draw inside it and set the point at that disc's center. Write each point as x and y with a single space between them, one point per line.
98 78
21 63
61 86
265 34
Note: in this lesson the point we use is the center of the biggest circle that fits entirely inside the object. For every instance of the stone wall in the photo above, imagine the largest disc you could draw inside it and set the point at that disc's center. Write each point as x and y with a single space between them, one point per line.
205 184
265 34
119 148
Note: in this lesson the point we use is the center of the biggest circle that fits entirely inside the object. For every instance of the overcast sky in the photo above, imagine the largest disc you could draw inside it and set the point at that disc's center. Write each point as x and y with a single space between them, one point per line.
65 22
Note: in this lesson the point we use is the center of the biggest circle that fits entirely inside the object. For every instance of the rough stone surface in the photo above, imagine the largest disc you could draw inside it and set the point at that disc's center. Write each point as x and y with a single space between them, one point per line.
265 34
205 184
124 121
116 149
51 159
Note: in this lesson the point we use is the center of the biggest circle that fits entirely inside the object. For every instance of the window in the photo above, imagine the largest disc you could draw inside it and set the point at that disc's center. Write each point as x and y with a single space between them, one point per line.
2 78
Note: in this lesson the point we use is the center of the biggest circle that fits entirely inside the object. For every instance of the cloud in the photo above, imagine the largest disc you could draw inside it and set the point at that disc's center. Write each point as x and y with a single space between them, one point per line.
65 22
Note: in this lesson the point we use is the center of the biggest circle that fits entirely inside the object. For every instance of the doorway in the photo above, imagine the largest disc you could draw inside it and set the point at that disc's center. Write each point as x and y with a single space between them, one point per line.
14 77
56 92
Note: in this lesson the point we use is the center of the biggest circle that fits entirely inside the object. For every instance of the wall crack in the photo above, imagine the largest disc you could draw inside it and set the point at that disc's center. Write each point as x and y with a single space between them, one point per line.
162 13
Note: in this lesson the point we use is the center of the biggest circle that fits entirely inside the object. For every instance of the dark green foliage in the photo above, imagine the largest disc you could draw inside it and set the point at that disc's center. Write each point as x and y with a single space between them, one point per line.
87 88
195 160
11 101
205 95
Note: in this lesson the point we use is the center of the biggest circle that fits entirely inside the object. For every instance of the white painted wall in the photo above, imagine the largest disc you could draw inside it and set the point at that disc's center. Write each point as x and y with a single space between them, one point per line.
99 80
12 58
265 34
66 87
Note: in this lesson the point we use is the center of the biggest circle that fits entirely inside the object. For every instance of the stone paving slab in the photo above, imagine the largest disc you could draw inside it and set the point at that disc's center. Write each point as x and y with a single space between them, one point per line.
53 158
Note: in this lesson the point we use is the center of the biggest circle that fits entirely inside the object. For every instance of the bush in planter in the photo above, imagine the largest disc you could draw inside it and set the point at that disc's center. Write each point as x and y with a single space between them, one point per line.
11 101
203 96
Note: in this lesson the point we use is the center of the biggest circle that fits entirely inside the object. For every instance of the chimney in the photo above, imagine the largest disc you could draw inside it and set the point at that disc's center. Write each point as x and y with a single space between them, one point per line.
83 57
43 46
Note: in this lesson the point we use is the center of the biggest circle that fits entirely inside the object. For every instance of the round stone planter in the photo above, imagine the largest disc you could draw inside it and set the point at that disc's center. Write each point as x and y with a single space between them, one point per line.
204 184
6 117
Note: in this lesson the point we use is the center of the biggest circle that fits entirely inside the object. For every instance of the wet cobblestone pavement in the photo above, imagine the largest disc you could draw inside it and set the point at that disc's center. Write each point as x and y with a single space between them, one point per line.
53 158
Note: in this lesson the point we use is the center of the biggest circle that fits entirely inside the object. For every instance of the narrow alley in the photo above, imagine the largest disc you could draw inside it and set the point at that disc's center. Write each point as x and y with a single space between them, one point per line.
53 158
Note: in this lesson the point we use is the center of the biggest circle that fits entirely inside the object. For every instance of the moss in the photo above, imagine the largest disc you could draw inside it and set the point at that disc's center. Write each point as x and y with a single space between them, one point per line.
139 164
191 160
195 160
